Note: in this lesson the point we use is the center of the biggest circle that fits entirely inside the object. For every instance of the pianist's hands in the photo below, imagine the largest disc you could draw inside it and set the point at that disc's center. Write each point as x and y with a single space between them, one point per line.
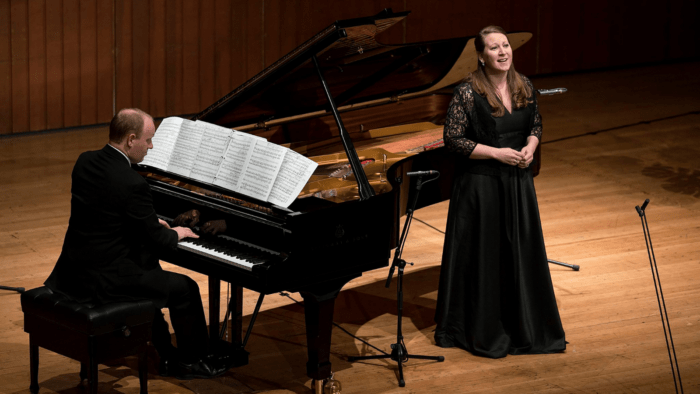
188 219
214 227
184 232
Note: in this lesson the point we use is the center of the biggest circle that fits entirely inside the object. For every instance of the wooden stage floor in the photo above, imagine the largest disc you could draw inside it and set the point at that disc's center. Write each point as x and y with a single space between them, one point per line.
616 138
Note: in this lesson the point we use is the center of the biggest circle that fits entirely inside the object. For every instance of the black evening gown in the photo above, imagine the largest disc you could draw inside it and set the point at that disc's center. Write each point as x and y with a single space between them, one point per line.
495 296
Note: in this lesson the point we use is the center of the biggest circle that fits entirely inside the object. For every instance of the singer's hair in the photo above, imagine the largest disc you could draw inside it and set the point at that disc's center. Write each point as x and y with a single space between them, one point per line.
125 122
519 90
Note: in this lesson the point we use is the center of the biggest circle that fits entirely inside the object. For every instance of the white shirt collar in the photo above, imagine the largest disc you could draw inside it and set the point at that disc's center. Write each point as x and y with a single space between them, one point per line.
123 154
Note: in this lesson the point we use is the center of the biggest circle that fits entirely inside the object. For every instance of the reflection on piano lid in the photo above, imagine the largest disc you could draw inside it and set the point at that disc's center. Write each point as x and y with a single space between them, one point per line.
359 71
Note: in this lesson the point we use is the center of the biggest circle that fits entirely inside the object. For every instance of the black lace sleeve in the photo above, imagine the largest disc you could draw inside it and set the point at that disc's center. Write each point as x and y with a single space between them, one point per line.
537 124
457 121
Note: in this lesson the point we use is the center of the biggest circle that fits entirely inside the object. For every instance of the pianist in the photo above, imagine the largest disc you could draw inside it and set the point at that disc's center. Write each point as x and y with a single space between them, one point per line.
110 249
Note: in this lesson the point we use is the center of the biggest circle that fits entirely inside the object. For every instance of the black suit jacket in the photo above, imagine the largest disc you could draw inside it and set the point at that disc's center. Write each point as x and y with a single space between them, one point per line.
110 250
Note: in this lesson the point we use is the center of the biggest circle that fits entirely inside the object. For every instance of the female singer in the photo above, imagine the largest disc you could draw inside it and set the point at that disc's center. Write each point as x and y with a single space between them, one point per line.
495 296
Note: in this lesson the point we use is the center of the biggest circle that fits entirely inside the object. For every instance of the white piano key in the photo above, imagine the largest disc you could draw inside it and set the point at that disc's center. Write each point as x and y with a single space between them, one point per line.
201 250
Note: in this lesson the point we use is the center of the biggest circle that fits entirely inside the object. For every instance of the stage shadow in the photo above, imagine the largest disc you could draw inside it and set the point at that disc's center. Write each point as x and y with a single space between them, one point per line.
360 305
277 345
120 376
676 179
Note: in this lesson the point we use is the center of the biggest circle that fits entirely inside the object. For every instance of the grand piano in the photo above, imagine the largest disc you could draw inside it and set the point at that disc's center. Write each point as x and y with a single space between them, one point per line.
367 113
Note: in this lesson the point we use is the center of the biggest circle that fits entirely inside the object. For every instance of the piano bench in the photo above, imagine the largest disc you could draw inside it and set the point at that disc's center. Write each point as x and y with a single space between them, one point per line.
87 333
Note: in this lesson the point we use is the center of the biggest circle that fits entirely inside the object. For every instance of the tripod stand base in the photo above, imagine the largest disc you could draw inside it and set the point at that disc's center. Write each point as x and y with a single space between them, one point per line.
572 266
400 355
17 289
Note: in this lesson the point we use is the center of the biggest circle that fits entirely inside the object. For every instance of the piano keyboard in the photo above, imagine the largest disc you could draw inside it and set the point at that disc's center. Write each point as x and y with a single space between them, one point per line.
227 250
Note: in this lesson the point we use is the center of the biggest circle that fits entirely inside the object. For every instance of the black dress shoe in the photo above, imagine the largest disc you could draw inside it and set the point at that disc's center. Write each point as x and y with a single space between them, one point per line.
203 369
229 355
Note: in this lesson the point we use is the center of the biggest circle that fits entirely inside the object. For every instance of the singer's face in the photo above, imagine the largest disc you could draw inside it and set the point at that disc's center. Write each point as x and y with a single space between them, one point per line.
139 146
497 55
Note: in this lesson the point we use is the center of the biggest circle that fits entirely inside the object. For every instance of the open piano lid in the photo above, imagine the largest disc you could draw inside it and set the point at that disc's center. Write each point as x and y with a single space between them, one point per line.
357 69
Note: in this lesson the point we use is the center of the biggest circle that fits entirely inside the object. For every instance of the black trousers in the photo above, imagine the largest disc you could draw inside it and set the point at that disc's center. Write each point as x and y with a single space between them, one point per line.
187 316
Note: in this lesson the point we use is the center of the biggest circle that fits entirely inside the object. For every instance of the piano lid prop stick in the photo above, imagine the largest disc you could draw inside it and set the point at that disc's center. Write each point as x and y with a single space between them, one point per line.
363 185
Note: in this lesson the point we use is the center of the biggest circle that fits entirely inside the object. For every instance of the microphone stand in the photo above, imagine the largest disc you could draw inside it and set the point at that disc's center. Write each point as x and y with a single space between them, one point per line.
660 296
551 92
399 352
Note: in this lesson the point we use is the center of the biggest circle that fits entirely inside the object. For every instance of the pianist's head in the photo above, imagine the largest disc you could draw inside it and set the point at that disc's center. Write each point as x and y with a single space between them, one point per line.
131 131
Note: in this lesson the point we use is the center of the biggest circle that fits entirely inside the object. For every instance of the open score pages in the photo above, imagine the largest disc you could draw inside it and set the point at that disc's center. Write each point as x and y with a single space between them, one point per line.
231 159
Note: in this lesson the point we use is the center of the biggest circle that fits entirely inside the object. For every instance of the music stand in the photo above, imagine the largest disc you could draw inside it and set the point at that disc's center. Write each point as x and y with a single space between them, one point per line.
399 352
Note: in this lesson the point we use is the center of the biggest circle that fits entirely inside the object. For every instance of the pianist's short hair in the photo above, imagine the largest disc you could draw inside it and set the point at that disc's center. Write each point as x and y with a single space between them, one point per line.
125 122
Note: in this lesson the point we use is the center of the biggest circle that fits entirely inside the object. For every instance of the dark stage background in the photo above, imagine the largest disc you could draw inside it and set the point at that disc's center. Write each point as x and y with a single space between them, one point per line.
67 63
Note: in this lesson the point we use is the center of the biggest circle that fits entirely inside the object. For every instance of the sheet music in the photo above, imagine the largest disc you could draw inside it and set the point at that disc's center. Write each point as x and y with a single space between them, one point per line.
185 148
211 150
238 151
163 142
237 161
295 171
260 171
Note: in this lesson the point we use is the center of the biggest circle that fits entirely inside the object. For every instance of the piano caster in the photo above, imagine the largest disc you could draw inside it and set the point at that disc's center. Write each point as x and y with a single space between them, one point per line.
317 386
326 386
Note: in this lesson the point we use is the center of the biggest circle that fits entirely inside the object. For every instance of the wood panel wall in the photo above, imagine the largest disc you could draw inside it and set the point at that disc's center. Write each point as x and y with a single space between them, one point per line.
65 63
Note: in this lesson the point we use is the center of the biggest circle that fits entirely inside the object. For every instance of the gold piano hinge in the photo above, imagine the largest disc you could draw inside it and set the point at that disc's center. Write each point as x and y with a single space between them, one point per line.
394 99
262 125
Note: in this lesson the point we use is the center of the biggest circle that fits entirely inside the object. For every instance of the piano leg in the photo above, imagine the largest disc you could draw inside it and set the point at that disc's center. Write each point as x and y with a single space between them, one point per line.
319 317
236 323
319 304
214 308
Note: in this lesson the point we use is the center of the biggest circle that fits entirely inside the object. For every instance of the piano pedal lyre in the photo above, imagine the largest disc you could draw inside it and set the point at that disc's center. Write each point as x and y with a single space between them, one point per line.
238 355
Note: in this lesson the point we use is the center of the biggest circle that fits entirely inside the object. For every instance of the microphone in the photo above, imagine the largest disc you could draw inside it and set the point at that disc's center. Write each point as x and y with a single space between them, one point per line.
644 206
640 211
423 173
549 92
